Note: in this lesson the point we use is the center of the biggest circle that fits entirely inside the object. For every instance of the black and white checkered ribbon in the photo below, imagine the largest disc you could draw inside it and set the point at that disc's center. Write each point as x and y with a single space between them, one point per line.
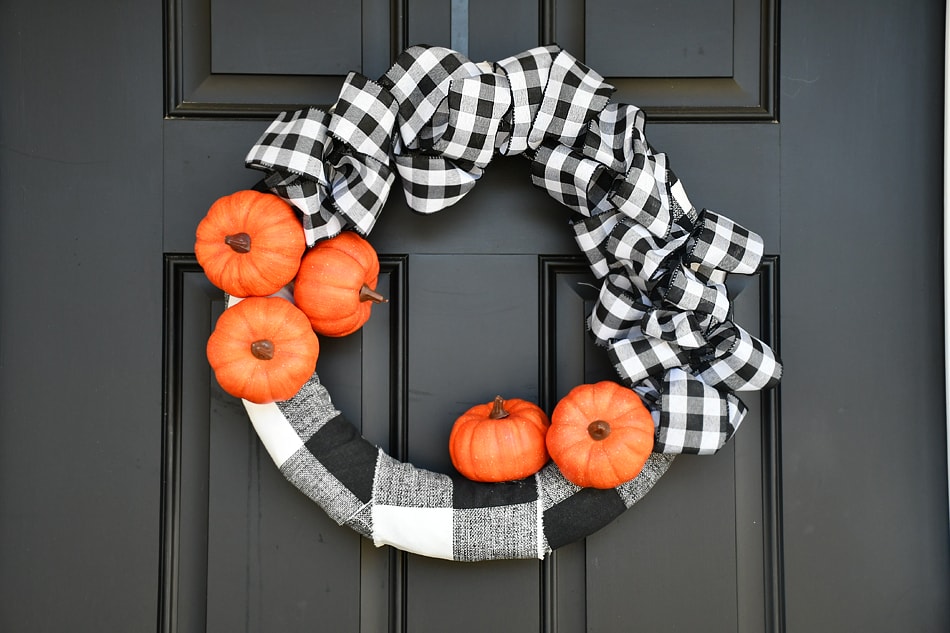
436 119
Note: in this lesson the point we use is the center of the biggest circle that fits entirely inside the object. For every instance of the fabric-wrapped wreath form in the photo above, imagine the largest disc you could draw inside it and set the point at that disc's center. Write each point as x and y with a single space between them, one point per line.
663 313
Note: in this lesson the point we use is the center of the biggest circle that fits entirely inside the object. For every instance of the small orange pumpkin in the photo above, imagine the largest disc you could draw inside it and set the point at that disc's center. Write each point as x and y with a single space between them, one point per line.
502 440
250 243
263 349
336 284
601 435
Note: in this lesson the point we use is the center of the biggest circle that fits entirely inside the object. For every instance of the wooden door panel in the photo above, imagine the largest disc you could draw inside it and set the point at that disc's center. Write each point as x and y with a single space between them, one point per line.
245 546
240 545
487 297
274 563
722 510
485 29
279 38
679 60
237 58
496 596
673 39
473 334
204 160
104 178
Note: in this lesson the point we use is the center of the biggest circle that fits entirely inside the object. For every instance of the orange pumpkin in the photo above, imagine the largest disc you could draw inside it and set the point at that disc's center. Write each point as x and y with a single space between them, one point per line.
250 243
601 435
263 349
499 441
336 284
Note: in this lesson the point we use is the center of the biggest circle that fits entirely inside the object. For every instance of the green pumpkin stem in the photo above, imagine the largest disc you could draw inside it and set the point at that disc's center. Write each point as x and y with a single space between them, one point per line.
498 409
239 242
263 349
368 294
598 429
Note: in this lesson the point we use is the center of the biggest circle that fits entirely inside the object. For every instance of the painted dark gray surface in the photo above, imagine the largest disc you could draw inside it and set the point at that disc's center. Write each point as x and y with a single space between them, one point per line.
686 39
99 194
80 316
865 471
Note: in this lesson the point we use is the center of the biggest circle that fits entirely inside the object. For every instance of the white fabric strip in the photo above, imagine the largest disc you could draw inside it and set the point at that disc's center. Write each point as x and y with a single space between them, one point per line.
425 531
276 433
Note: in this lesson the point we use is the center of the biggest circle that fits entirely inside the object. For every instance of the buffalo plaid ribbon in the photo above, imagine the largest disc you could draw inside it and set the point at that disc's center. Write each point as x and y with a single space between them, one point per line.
436 119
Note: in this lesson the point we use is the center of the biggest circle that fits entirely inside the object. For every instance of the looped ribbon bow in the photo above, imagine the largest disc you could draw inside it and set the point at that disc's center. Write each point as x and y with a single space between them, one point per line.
437 119
333 167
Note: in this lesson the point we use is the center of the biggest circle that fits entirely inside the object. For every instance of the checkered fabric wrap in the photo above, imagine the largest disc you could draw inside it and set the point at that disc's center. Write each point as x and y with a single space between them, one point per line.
639 358
416 510
663 312
476 107
571 179
739 361
336 185
591 236
620 166
682 288
616 136
693 417
527 75
573 95
731 358
681 328
419 81
721 243
442 149
642 194
619 309
644 256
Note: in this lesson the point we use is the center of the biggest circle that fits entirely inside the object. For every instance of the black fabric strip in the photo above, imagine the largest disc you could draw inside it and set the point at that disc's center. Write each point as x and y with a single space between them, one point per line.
348 457
581 515
473 494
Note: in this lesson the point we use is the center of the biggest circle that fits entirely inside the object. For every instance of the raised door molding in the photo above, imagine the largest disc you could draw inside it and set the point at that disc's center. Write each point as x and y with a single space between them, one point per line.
679 60
233 58
682 60
240 546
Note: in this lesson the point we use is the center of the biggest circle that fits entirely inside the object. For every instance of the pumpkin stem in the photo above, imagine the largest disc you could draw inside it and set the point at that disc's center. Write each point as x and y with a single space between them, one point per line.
498 409
239 242
263 349
598 429
368 294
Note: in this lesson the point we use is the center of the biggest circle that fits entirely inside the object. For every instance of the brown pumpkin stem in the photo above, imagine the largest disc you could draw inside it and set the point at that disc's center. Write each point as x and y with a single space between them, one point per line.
368 294
239 242
598 429
498 409
263 349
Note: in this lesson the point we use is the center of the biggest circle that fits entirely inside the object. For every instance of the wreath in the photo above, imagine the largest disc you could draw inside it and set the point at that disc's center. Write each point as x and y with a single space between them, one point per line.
436 119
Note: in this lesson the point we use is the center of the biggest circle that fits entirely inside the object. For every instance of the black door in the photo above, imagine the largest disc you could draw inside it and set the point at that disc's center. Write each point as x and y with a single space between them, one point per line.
135 494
